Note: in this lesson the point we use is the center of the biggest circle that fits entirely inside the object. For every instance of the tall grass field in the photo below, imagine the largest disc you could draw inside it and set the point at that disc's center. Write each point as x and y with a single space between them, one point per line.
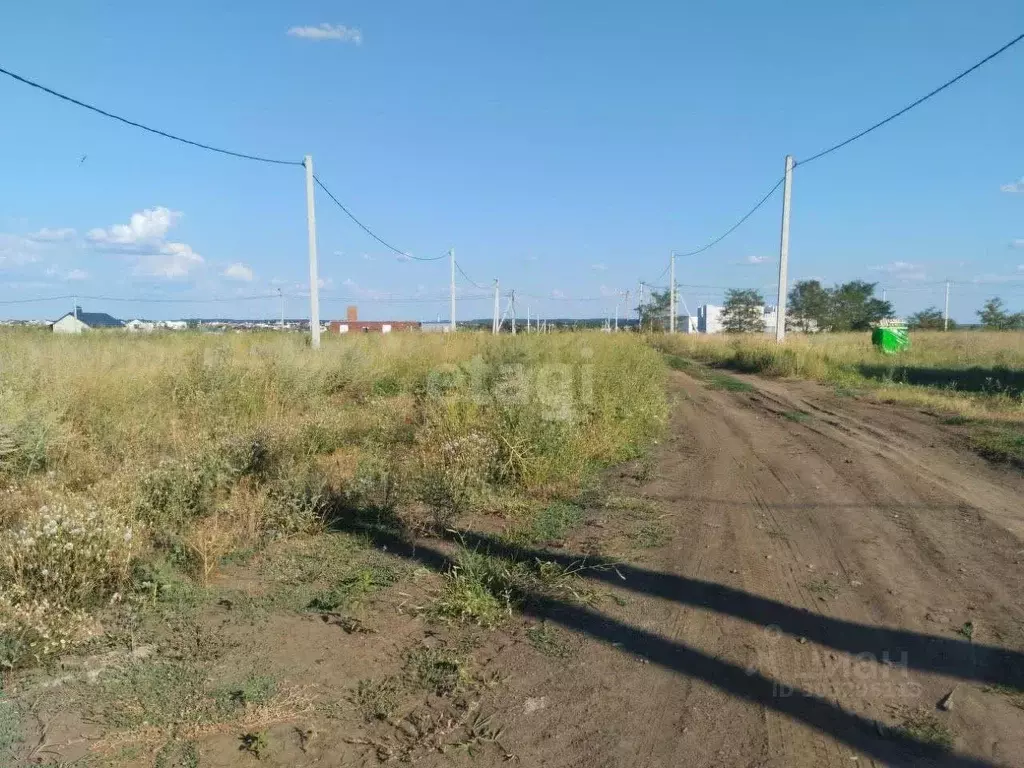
120 453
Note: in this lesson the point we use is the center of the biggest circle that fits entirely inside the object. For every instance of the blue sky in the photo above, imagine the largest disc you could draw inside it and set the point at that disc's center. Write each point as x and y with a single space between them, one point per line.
564 148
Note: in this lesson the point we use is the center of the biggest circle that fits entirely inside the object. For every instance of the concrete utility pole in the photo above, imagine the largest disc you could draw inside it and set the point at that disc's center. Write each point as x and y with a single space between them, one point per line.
616 326
512 310
780 310
527 318
672 294
640 307
626 308
945 313
451 255
497 308
314 278
281 297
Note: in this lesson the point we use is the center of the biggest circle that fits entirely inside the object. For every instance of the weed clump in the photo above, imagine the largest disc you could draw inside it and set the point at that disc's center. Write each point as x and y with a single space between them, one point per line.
57 563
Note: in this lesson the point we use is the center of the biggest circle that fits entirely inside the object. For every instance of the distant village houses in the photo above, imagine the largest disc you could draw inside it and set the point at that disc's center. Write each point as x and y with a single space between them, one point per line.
79 321
352 324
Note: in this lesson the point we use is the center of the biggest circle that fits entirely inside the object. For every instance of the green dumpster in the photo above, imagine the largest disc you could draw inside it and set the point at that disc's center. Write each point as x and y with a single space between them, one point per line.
890 339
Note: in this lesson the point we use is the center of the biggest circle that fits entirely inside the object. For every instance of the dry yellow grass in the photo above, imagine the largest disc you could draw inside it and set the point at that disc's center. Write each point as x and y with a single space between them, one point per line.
212 443
976 374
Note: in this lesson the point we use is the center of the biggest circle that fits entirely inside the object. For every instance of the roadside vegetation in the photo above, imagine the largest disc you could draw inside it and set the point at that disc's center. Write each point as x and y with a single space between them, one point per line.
136 470
975 379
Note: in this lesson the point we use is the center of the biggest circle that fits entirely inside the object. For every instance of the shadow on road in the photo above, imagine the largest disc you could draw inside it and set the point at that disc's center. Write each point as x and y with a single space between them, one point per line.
996 380
923 652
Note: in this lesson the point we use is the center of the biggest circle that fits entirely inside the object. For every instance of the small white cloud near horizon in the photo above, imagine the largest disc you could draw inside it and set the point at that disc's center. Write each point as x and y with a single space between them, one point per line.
239 271
144 226
1013 186
599 267
557 294
47 235
754 260
327 31
74 274
1018 243
902 270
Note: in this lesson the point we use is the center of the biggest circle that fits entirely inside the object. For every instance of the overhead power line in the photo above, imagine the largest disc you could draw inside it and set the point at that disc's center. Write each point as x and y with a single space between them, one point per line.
158 132
910 106
854 138
738 224
470 280
369 231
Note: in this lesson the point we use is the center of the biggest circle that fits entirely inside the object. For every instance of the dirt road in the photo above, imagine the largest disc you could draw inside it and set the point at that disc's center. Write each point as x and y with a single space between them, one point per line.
838 566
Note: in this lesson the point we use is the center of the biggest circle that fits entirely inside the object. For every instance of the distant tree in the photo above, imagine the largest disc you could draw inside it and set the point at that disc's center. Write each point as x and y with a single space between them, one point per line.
809 306
655 311
930 319
743 312
853 307
995 317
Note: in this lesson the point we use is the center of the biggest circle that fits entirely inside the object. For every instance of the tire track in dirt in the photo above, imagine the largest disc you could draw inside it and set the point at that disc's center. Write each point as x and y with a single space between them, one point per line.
790 511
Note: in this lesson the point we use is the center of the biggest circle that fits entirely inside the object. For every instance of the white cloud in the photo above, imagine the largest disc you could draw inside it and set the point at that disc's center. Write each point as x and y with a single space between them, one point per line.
173 260
367 257
1013 186
557 294
752 260
47 235
598 267
993 278
74 274
902 270
1018 243
328 32
145 226
239 271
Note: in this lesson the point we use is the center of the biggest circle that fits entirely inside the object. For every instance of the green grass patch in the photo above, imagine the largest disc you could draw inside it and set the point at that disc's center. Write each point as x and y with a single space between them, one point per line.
484 589
677 363
956 420
478 590
552 522
437 670
797 416
926 728
650 535
167 694
549 641
966 630
378 699
256 743
726 383
353 588
10 729
999 443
